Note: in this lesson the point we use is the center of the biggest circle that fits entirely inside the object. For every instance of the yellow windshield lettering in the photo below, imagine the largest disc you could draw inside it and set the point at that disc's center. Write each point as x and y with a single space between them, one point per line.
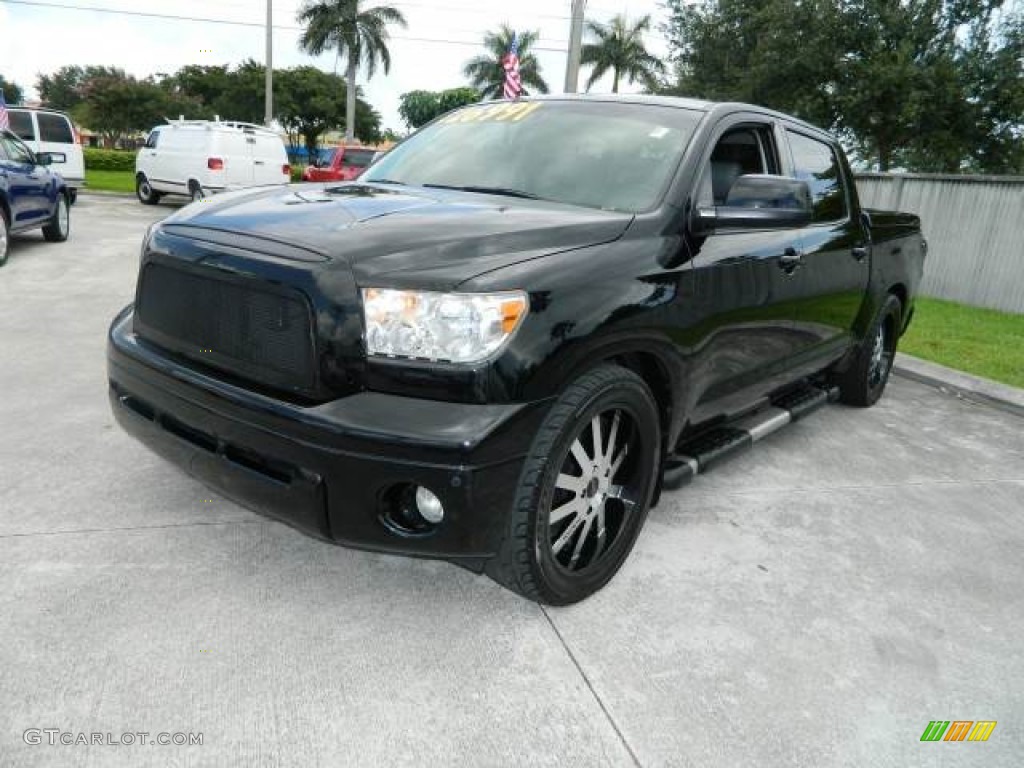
511 111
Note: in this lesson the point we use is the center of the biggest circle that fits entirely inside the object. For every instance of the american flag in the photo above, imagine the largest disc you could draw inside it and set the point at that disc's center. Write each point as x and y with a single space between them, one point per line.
513 85
5 120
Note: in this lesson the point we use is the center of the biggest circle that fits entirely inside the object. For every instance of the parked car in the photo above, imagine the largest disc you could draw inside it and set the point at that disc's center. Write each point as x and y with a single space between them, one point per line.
32 196
198 157
46 130
343 164
502 342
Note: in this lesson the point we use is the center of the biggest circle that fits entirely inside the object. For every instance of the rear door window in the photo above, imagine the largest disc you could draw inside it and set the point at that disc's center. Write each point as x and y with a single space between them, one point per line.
816 163
21 125
54 128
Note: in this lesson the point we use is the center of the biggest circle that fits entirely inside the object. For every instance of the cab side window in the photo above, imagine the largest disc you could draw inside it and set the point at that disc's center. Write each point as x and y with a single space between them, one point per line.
740 151
152 139
16 151
816 163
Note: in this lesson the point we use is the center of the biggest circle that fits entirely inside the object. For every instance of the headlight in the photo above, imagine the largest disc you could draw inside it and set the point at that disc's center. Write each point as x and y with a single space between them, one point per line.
453 327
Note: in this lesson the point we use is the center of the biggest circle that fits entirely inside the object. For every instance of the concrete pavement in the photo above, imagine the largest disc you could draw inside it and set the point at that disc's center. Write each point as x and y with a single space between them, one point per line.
814 602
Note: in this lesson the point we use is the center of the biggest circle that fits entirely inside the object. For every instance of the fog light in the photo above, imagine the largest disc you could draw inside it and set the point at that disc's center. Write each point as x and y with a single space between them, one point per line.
429 506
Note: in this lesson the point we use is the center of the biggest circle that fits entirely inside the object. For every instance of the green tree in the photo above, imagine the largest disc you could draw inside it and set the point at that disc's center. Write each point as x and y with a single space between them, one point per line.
65 88
244 98
743 50
914 87
619 47
358 34
117 107
203 86
312 102
231 94
61 89
934 85
453 98
486 74
11 90
994 67
417 108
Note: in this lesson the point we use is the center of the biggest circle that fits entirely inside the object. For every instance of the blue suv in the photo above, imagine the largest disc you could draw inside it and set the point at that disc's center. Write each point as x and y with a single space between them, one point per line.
31 195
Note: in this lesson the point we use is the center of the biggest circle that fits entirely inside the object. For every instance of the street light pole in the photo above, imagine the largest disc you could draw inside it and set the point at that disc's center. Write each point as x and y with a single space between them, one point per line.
572 67
268 96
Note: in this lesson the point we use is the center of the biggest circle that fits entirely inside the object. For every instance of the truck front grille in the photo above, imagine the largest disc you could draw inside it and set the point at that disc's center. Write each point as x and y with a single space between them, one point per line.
249 329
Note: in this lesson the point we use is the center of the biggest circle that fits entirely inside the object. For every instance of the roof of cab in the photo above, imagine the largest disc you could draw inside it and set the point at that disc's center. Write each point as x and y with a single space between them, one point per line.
719 107
23 108
629 98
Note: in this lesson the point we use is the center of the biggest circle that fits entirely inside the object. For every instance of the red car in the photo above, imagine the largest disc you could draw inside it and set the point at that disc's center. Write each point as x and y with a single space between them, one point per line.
343 164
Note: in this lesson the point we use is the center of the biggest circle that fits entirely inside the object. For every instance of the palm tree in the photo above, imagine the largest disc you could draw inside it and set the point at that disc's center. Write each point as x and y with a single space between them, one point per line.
485 72
360 35
620 48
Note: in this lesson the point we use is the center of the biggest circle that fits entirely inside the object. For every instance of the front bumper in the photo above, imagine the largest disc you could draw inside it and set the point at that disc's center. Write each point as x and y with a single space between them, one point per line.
328 469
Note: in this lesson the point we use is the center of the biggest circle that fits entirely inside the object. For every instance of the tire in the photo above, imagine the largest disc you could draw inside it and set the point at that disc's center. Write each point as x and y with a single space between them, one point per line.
552 550
5 237
865 378
145 192
72 196
57 229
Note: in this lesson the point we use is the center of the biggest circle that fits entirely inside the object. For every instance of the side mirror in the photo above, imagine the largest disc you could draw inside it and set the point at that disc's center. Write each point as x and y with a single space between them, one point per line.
759 201
49 158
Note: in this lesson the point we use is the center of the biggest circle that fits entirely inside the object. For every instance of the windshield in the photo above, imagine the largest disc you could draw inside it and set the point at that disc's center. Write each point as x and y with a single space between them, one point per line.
607 155
358 158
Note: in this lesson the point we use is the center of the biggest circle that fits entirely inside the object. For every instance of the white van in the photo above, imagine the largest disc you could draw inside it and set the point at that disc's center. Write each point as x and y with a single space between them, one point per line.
46 130
200 157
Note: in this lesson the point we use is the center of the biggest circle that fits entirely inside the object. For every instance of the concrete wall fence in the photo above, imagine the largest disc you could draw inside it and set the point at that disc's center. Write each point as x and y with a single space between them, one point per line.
975 231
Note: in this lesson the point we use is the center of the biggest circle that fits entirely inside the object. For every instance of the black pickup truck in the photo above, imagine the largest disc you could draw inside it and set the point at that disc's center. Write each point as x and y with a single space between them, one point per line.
501 343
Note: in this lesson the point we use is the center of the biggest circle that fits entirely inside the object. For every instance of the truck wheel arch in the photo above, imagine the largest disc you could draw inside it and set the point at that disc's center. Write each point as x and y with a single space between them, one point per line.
649 367
899 290
653 366
644 359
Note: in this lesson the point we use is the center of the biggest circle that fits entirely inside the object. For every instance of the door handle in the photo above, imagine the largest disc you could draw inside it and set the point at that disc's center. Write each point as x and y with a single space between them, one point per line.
859 252
258 162
790 259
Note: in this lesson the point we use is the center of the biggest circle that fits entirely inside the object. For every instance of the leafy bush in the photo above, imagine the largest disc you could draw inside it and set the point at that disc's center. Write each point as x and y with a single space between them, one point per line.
109 160
297 172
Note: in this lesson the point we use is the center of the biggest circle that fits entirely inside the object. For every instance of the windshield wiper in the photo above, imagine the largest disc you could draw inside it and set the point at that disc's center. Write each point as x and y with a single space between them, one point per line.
386 181
489 191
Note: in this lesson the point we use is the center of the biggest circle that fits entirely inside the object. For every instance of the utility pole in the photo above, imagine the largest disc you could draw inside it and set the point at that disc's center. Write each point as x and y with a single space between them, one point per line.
572 67
268 96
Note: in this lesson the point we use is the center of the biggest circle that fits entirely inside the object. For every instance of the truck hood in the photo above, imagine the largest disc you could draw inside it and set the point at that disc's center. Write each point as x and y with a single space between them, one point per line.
433 238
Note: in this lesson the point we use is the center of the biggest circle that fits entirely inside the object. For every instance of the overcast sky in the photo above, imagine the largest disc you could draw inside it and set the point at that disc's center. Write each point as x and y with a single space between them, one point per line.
429 54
